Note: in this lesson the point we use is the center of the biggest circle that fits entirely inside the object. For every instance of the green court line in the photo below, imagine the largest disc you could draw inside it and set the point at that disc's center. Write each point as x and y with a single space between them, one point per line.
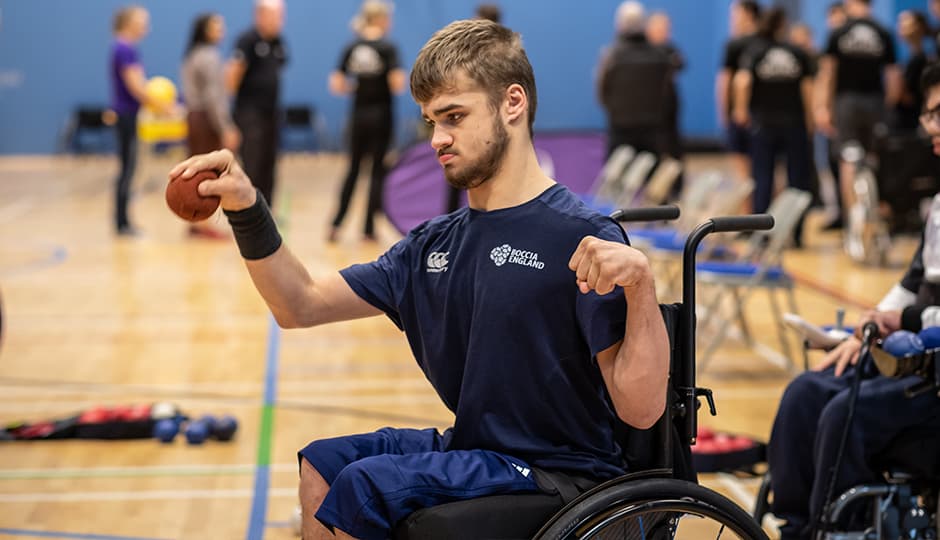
267 430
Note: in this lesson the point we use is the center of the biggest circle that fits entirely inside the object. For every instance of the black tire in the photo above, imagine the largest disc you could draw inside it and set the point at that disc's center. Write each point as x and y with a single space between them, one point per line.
762 501
648 509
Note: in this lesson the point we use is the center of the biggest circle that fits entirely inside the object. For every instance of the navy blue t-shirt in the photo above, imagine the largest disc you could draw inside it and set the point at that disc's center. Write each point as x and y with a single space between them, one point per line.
495 319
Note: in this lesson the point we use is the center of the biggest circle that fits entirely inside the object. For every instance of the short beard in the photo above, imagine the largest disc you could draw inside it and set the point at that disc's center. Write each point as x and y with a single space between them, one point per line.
487 166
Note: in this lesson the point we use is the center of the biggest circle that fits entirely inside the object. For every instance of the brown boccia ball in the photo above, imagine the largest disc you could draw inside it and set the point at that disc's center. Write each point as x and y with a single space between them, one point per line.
183 198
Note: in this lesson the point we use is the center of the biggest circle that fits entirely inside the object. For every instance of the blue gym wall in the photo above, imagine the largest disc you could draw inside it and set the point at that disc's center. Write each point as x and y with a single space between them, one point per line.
53 54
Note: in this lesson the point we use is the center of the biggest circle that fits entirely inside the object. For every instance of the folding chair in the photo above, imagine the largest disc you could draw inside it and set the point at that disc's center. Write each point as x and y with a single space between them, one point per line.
660 184
86 131
707 195
759 267
633 179
607 187
302 129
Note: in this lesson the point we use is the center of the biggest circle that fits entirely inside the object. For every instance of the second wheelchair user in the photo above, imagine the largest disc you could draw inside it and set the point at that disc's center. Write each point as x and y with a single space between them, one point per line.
515 308
806 433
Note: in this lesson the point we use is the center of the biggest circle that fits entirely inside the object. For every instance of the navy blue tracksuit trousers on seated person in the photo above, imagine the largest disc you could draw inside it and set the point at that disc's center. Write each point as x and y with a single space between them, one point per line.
377 479
808 428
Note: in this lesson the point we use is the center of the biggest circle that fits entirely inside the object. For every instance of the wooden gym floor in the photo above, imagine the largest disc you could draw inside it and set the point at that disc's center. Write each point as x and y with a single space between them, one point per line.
91 319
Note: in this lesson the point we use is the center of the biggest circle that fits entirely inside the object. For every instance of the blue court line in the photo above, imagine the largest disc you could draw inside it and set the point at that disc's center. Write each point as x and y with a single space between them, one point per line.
259 502
57 256
274 350
80 536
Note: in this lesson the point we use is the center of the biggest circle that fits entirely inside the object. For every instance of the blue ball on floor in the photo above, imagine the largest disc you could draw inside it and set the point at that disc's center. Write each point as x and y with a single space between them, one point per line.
930 336
902 343
197 432
165 430
209 421
225 428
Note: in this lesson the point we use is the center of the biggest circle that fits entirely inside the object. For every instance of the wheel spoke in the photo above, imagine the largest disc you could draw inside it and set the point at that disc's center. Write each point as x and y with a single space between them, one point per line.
721 530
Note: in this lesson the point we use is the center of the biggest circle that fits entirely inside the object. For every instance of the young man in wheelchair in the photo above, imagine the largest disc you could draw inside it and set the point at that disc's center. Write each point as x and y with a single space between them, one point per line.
805 440
515 308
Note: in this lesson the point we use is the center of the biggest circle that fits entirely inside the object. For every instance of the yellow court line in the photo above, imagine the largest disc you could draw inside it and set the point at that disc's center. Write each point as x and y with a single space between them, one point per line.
173 494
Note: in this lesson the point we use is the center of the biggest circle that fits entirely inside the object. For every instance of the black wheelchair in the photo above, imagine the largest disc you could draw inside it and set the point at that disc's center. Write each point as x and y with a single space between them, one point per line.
660 498
905 504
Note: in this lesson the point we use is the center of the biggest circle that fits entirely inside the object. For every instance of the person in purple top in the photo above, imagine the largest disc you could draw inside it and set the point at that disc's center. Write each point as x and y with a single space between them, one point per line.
128 92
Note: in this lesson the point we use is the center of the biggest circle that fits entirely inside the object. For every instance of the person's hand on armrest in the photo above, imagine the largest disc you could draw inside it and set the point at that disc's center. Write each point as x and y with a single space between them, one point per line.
846 353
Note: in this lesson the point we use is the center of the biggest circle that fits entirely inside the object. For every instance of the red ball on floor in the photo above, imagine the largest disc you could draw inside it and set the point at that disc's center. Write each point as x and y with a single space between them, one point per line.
183 198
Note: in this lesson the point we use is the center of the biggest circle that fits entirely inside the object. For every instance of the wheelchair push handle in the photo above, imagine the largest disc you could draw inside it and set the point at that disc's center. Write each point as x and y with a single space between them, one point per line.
686 377
652 213
756 222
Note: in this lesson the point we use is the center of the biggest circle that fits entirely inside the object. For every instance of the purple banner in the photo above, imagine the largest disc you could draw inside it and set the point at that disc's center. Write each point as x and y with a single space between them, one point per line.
415 189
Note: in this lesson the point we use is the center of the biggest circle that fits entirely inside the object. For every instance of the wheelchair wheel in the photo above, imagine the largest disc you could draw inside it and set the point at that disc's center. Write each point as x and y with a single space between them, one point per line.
662 508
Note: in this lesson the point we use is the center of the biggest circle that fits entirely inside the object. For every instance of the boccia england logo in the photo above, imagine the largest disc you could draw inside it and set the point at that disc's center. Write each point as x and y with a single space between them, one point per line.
507 254
500 254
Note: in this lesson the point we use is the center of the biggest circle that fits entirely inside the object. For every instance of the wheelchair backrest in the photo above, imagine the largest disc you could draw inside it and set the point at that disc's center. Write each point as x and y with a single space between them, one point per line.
662 446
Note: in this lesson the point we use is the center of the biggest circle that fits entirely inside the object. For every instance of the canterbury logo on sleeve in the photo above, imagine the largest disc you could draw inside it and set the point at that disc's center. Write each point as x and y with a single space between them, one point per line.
437 261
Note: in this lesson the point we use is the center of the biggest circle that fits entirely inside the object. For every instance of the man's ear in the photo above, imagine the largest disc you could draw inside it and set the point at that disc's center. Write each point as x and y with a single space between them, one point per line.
516 104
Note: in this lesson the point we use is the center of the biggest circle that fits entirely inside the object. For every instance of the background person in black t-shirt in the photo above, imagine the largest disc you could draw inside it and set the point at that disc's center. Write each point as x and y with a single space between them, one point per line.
913 29
745 15
857 79
371 61
254 75
773 90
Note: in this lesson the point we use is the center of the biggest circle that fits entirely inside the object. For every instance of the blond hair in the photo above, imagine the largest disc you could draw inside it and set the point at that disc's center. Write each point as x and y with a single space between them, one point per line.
369 12
490 54
123 16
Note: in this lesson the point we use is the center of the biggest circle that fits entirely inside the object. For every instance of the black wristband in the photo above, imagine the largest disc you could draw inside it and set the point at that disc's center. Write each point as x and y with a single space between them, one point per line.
255 231
911 318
